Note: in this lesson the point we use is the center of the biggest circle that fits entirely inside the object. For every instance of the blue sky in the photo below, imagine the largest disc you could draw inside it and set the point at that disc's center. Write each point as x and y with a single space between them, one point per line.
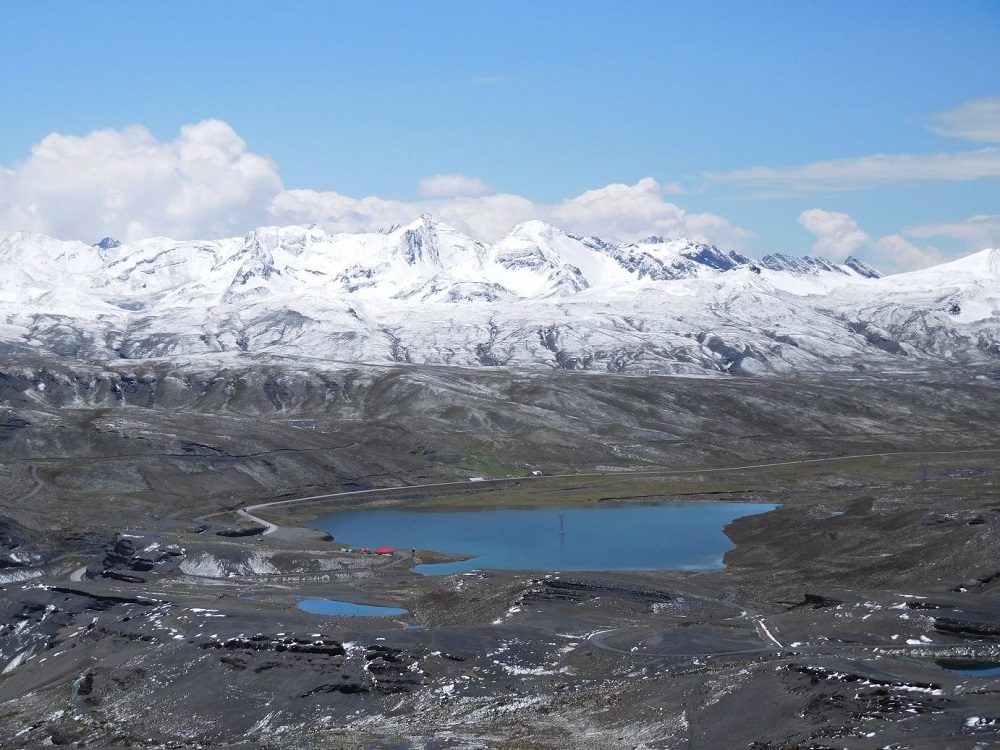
824 127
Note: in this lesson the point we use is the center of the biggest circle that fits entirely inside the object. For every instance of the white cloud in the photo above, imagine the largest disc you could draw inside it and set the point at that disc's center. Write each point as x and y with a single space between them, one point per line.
976 121
866 172
205 184
622 212
452 186
978 232
838 236
125 183
897 253
486 217
631 212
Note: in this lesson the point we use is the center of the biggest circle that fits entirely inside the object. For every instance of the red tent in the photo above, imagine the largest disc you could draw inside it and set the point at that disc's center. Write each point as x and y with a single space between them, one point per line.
384 550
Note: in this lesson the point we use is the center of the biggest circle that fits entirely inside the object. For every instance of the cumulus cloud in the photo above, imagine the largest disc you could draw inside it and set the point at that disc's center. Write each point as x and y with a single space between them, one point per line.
879 170
976 121
896 252
452 186
614 212
487 217
205 184
838 235
631 212
978 232
127 184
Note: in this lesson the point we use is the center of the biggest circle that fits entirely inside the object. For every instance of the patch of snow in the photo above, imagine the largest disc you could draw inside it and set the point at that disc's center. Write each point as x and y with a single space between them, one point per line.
208 566
15 576
15 662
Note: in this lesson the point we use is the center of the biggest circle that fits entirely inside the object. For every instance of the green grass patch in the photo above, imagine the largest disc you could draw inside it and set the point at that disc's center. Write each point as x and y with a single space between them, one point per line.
795 482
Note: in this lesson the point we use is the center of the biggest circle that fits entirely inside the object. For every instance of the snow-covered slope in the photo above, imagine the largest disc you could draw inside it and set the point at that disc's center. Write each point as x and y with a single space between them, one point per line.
538 298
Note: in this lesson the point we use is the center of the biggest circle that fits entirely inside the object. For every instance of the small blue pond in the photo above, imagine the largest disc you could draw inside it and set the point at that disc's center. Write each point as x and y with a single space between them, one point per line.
971 667
347 609
686 536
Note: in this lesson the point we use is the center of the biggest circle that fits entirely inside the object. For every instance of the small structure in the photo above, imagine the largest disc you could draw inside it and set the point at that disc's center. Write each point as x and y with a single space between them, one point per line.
384 550
477 479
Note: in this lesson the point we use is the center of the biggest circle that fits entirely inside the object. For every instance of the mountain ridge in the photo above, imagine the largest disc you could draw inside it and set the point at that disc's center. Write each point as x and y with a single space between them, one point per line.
539 297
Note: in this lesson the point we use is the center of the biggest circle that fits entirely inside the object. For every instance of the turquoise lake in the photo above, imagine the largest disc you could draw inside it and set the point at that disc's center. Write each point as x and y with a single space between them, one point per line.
348 609
971 667
686 536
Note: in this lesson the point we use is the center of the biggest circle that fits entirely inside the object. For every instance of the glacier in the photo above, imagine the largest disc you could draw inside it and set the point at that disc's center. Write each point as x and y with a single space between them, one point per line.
538 299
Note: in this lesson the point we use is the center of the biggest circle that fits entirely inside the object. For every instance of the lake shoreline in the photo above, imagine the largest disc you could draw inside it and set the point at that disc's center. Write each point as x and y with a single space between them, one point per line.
625 536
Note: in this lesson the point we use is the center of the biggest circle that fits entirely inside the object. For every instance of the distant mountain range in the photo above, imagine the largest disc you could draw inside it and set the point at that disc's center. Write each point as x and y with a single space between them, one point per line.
540 298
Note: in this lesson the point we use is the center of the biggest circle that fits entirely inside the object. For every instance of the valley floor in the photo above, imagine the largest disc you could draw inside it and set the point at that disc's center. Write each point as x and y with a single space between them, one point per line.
143 609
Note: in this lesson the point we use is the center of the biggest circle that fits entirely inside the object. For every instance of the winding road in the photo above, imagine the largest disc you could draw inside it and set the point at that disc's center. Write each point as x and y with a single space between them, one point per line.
39 484
270 528
769 641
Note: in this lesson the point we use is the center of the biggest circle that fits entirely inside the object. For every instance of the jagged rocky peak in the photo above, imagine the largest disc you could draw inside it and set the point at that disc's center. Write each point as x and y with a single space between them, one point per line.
811 265
108 243
432 243
530 244
263 258
428 226
803 265
653 306
261 243
862 269
418 242
713 257
531 239
294 240
662 259
537 259
699 252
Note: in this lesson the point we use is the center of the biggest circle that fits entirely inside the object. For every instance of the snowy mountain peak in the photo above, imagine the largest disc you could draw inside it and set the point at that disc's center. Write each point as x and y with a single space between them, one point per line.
812 265
993 260
539 297
985 263
108 243
862 269
536 228
423 260
429 225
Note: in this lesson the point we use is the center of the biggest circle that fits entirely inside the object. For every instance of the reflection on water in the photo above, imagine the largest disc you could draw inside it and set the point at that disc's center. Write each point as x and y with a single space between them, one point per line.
619 537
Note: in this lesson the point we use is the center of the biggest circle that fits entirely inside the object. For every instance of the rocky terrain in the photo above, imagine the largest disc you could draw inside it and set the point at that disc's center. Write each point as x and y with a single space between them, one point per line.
141 610
173 417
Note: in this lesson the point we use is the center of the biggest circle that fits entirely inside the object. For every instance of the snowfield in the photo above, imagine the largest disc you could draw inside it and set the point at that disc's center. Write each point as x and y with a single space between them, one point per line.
538 298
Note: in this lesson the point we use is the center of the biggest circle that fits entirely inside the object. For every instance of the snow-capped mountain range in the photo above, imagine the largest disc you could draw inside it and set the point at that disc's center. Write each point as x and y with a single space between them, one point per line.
538 298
